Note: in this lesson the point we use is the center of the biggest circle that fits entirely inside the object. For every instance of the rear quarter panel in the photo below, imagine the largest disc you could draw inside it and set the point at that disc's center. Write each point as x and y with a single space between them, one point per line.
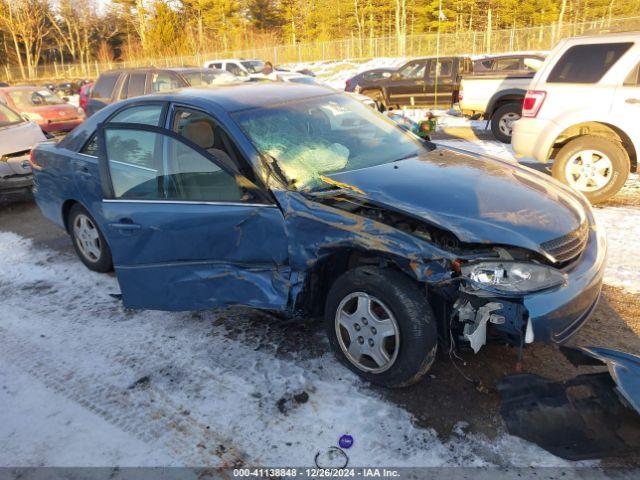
478 91
54 181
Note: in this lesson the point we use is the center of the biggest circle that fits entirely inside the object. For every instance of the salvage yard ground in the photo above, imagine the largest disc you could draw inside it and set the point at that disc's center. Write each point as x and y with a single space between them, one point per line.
84 382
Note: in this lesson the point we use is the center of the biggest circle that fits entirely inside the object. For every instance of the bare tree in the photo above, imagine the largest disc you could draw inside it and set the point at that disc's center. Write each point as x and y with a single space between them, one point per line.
28 25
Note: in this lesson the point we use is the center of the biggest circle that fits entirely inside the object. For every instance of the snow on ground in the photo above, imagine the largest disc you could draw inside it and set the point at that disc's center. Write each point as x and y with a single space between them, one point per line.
622 225
336 73
84 382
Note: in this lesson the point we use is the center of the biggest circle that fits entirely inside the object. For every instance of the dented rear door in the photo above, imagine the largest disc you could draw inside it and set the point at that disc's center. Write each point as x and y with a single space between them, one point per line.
187 233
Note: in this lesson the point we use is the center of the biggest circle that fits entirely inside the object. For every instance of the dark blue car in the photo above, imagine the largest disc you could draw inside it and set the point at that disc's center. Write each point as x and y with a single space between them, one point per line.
299 199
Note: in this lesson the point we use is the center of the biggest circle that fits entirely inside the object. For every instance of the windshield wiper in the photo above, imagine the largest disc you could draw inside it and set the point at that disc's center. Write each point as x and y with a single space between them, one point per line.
406 157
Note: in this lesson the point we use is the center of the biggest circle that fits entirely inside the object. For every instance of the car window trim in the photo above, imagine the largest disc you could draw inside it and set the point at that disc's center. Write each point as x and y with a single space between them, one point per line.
105 174
257 181
190 202
161 120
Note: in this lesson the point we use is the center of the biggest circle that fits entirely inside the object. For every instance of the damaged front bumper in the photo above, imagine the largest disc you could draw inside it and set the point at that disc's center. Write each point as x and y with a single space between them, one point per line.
550 316
592 415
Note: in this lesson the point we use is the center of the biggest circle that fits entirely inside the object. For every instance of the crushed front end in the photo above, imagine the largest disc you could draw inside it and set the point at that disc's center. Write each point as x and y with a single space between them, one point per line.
521 300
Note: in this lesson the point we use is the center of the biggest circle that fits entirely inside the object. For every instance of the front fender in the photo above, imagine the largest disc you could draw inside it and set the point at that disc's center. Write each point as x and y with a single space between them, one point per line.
316 231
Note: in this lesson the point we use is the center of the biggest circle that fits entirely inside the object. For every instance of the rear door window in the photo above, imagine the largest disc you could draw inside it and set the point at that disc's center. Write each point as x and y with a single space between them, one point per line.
140 114
136 84
414 70
442 68
105 85
503 64
233 68
164 81
587 63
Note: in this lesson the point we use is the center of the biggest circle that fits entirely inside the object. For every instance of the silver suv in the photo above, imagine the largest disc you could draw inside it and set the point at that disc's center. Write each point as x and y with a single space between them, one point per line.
582 111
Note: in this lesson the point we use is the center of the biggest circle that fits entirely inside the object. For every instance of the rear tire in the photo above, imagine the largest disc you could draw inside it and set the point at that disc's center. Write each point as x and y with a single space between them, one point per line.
394 317
88 241
502 121
595 166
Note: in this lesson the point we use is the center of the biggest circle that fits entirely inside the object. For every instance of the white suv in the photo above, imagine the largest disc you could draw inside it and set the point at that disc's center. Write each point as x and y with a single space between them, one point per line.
245 69
583 111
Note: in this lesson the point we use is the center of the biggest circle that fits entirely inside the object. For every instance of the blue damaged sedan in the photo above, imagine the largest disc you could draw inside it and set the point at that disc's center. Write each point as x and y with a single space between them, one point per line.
299 199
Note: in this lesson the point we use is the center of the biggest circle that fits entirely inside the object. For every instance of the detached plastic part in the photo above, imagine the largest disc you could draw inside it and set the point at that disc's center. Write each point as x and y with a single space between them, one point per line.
590 416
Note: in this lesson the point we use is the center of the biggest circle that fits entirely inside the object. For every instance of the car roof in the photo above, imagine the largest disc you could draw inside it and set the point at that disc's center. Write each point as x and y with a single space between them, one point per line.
244 96
235 60
195 70
20 87
604 37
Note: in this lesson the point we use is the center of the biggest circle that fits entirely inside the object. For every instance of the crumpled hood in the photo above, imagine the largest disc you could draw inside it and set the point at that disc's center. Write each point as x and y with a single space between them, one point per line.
20 137
479 199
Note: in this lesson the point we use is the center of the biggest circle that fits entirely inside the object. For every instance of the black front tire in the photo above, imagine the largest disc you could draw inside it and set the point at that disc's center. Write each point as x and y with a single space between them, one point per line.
512 109
619 161
418 336
102 263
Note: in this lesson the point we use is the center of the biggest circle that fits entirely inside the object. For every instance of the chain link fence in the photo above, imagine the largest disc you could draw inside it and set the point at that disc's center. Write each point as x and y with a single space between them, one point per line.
469 43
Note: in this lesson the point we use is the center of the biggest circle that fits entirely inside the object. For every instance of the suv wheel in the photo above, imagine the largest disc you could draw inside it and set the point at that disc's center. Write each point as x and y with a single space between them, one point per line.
380 325
593 165
88 242
502 121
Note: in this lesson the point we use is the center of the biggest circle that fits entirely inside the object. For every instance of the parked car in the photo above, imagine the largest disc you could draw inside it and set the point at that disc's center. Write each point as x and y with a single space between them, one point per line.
293 77
367 79
520 62
68 88
85 93
258 195
117 85
4 84
42 106
17 137
424 82
245 69
582 112
496 88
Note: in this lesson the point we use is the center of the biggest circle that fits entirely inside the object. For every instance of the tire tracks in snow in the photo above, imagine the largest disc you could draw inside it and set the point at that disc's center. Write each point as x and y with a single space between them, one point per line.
147 413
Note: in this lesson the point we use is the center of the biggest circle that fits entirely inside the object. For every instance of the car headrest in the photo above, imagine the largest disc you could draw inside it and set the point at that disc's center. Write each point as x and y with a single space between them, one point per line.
199 132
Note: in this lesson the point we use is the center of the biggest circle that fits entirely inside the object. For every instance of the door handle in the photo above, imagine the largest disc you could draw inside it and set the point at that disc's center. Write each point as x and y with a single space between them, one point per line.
125 224
633 100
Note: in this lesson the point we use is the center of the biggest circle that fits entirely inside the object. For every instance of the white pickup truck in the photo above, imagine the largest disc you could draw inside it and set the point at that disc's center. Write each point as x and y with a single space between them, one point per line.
496 89
582 111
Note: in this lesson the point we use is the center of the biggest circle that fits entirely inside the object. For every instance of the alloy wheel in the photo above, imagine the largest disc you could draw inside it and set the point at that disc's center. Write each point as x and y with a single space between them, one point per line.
367 332
588 170
87 238
506 122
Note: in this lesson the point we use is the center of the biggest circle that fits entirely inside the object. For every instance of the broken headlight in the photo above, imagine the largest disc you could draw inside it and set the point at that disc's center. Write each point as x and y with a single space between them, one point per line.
512 277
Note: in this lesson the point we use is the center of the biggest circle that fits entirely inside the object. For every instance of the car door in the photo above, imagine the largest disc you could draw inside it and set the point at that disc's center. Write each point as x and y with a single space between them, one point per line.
439 83
407 85
626 103
187 232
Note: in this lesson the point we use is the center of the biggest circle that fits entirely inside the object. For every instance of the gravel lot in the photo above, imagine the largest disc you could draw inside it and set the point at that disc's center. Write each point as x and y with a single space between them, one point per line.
85 382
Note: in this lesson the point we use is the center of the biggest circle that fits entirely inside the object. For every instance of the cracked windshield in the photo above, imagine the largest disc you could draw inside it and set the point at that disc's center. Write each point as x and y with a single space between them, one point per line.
325 135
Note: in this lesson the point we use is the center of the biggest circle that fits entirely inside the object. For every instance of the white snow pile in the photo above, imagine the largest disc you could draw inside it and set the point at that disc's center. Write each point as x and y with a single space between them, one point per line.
336 73
84 382
622 225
